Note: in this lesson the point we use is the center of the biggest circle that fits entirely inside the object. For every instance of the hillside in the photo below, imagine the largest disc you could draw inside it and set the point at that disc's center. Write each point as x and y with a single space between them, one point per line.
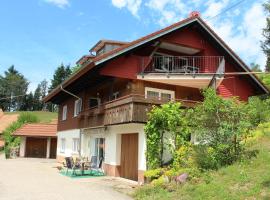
249 179
43 116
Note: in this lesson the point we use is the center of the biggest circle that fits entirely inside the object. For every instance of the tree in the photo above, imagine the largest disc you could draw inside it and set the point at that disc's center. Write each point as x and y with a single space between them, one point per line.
13 88
28 102
37 104
44 91
255 67
60 74
220 125
75 68
266 33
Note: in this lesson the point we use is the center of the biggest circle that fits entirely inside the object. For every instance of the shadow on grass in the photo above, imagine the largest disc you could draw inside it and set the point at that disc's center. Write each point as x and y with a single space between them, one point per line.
266 184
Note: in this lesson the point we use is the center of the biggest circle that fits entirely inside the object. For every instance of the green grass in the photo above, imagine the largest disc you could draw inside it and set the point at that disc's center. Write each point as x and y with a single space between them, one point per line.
43 116
243 180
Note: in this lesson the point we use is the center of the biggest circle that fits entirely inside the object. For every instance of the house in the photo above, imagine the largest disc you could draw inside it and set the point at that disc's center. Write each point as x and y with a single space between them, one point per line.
5 121
103 107
37 140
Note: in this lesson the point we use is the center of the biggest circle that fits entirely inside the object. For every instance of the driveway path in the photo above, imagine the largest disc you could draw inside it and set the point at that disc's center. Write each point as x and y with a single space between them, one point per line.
37 179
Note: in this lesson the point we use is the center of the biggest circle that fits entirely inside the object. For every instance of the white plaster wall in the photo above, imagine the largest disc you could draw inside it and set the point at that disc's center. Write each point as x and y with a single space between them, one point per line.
68 135
112 135
22 146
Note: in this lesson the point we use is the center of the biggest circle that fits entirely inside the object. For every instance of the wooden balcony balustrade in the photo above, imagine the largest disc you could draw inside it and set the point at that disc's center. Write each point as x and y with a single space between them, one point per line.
130 108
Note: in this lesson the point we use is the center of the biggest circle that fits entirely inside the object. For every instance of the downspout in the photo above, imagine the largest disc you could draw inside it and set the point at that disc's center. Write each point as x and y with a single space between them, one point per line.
80 137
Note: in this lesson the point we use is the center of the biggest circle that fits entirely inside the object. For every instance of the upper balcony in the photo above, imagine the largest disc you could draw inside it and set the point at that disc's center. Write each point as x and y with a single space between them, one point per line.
189 71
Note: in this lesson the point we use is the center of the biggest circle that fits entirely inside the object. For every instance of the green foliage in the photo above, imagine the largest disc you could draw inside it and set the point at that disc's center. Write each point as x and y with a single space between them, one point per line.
247 179
10 140
75 69
183 157
266 34
154 173
265 79
60 74
166 128
258 111
221 124
13 87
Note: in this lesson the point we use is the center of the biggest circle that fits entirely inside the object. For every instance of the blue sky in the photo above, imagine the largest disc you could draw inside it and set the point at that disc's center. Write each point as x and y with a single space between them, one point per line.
38 35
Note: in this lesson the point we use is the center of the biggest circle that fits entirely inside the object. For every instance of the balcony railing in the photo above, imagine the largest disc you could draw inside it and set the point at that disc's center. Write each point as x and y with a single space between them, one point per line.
130 108
183 64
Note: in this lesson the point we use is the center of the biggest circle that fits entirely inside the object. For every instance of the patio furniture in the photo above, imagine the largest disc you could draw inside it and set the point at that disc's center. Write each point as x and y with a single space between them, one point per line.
71 165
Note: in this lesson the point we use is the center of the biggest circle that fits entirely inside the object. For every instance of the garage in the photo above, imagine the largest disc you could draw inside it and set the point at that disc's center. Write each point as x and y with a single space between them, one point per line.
37 140
36 147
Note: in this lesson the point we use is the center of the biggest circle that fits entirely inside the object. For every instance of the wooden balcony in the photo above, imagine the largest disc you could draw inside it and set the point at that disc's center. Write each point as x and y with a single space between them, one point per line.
131 108
188 71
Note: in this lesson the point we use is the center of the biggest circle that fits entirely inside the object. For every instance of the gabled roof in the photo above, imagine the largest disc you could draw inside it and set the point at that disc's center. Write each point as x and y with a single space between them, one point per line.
37 130
101 44
136 43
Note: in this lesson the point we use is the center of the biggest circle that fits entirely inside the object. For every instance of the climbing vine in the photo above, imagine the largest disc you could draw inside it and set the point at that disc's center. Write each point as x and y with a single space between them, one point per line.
167 127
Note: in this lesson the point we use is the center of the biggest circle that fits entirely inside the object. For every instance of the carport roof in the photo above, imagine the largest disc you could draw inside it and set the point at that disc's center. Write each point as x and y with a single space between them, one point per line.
37 130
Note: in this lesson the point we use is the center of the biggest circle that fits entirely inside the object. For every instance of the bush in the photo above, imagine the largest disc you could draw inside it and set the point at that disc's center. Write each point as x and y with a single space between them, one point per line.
154 173
205 157
10 140
27 117
258 111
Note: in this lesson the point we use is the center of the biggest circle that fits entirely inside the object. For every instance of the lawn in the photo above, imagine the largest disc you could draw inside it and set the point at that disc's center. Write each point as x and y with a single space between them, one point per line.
248 179
43 116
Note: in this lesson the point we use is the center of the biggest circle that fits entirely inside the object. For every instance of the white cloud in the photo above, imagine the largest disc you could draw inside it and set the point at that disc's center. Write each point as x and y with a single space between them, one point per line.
132 5
240 27
168 11
59 3
214 8
244 37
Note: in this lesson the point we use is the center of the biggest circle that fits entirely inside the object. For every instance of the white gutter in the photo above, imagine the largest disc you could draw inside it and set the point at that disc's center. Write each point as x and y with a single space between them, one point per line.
80 139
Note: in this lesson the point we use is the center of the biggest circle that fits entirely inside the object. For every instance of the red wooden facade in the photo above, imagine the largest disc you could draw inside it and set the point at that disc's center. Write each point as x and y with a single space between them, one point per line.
120 68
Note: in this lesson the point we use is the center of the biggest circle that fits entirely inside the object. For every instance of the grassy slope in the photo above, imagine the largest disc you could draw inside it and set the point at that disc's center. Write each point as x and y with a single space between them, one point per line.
245 180
44 117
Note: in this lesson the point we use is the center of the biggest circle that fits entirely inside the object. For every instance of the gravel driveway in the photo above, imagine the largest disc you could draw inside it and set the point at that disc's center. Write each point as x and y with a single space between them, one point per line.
38 179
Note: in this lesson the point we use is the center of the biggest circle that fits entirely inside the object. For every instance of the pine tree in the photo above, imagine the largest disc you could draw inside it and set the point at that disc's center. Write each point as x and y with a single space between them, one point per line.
60 74
266 34
255 67
13 88
37 104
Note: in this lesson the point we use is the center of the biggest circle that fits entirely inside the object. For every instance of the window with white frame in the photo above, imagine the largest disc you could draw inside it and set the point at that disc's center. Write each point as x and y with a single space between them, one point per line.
77 107
155 93
64 112
75 145
63 145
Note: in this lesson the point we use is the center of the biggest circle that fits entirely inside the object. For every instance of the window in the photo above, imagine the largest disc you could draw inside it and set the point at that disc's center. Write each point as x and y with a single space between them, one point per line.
75 145
64 112
155 93
94 102
77 107
63 145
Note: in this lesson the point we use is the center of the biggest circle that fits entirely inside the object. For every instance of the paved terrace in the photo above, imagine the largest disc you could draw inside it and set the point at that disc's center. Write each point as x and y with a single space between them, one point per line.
38 179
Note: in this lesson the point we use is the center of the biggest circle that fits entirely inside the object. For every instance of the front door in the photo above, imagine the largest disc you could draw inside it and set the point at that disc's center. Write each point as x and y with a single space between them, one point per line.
129 156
